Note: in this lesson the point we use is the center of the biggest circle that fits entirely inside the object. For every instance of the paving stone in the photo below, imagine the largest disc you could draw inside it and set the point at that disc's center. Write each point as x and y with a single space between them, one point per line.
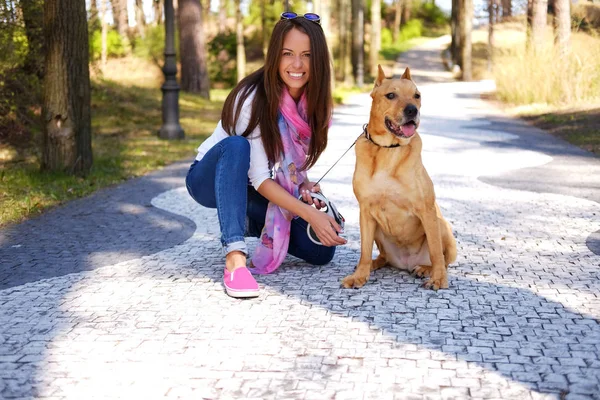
133 294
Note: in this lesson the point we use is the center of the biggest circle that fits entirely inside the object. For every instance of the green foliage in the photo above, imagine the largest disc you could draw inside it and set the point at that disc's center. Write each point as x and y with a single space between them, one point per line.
432 14
115 46
152 46
222 51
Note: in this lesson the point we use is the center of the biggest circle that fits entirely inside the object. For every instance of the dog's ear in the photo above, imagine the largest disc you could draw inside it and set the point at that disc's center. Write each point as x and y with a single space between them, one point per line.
380 76
406 74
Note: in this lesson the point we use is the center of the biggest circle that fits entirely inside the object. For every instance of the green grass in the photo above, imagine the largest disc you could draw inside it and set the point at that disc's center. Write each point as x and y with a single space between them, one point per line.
125 120
126 115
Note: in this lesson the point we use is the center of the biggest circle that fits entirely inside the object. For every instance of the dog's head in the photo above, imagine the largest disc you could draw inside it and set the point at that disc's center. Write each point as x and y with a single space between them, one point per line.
395 112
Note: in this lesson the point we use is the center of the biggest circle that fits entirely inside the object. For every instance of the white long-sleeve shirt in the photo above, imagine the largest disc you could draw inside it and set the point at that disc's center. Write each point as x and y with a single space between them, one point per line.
259 163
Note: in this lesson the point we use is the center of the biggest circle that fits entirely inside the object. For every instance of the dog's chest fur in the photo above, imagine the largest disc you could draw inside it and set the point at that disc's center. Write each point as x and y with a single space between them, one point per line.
382 179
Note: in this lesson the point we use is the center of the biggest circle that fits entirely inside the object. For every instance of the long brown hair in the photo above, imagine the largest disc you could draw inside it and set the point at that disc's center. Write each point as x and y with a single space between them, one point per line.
268 85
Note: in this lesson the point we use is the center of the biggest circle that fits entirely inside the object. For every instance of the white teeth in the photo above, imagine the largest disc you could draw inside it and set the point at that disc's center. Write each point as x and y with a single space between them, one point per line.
296 75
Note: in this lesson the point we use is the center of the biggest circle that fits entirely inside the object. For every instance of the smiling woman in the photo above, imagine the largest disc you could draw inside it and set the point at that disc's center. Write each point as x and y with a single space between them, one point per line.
279 117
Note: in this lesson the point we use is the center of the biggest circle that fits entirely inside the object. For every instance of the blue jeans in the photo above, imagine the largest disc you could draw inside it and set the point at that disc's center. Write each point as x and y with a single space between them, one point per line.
220 180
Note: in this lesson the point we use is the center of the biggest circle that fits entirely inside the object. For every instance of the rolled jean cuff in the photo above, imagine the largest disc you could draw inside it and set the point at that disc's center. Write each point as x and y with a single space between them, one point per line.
237 245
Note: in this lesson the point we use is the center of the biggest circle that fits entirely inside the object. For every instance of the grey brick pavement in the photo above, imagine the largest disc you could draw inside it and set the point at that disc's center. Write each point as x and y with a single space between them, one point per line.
519 321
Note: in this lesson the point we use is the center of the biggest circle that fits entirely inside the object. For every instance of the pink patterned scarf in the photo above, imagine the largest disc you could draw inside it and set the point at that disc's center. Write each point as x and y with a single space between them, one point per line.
295 135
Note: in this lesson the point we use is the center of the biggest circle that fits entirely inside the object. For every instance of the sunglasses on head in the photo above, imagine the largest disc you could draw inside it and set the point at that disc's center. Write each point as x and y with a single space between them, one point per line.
309 16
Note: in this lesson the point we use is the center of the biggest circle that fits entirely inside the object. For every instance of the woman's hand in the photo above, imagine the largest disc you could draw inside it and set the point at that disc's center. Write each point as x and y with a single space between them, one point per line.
326 228
305 189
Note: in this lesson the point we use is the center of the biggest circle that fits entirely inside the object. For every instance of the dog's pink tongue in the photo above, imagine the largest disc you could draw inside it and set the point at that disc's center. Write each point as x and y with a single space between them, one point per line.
408 129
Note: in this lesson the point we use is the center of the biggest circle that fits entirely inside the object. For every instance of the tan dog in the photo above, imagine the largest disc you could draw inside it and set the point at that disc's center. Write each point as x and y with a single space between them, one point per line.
397 203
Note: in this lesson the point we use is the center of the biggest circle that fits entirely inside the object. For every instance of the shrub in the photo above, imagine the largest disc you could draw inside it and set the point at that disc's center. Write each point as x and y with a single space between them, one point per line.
114 44
586 17
222 51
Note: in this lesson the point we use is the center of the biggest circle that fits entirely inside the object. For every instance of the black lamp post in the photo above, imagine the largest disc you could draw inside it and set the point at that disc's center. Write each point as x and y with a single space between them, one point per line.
170 102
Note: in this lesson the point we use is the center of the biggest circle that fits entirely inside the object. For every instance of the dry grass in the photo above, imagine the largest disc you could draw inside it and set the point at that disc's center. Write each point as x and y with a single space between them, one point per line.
558 94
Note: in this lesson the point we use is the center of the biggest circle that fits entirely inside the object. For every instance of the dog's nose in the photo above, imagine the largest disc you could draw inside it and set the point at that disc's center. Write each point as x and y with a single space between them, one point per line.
410 111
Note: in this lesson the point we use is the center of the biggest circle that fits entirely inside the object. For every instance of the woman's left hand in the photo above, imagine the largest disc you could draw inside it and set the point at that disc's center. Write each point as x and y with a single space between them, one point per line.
305 189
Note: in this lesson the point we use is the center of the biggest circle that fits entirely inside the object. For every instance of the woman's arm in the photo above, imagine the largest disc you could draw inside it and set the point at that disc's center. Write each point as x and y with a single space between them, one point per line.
324 225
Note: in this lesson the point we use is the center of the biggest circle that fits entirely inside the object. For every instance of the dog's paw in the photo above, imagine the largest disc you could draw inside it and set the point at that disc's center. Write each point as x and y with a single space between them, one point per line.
436 283
354 281
422 271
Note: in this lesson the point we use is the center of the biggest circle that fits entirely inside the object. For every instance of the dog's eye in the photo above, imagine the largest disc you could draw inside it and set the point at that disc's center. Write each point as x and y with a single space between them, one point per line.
391 96
417 95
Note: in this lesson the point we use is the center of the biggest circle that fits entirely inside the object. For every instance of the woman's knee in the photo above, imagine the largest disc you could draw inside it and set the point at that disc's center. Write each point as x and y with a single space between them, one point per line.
237 144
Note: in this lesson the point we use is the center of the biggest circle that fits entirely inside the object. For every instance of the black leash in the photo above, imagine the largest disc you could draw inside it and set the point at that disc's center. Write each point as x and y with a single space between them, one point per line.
352 145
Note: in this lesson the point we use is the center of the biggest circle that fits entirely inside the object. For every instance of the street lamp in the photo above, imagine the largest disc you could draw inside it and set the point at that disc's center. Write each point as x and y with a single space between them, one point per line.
170 102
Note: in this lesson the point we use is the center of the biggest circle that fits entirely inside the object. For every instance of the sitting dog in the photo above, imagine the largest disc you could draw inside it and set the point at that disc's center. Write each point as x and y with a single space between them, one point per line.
397 203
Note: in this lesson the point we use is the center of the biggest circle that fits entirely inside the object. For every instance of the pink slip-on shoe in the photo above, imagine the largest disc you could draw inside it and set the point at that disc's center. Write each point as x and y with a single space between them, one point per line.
240 283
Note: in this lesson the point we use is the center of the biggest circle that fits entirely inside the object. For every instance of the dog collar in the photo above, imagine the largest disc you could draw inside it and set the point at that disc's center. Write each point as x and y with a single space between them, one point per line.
375 143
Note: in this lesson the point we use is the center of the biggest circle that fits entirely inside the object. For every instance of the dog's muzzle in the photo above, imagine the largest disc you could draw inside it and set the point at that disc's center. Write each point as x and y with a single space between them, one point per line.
405 130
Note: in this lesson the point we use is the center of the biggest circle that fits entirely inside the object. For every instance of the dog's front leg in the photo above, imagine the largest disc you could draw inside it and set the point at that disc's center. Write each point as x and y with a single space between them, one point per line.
367 237
439 277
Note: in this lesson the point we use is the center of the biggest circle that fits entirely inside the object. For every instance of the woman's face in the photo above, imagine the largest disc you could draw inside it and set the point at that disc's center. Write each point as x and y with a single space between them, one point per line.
294 67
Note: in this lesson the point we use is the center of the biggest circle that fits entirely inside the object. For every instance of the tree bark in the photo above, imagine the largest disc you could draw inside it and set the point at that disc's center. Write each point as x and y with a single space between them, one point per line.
465 40
223 16
194 66
33 17
397 20
358 42
406 12
345 21
506 8
375 36
104 40
264 35
158 11
140 18
241 48
67 131
456 21
538 23
119 8
562 25
492 17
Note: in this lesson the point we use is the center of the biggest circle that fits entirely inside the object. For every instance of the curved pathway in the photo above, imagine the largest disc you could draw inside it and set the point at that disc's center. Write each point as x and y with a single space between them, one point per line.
519 321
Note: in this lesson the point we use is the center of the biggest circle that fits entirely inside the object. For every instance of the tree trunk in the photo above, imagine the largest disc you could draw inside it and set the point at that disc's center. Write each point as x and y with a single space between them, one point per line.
241 49
406 11
492 13
119 8
375 36
33 17
506 8
456 29
538 23
223 16
67 129
158 11
194 67
140 18
104 40
397 20
264 34
326 19
529 22
345 66
94 22
465 40
562 25
358 42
